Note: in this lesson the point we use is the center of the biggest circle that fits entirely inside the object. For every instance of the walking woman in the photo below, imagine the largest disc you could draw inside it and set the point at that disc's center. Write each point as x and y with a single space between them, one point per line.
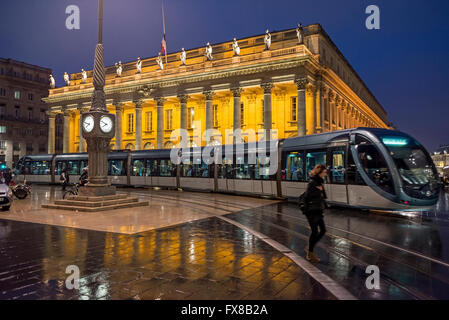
314 207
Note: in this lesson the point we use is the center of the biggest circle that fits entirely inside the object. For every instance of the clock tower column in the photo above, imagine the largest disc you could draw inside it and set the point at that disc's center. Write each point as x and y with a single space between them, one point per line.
98 127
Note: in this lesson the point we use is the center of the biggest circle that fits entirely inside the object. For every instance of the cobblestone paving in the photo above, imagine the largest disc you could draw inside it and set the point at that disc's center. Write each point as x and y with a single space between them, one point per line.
205 259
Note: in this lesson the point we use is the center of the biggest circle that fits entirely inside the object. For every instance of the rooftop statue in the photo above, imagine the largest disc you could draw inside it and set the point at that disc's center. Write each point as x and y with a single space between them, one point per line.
83 76
300 33
183 57
119 68
66 79
139 65
267 40
52 81
159 61
235 47
209 52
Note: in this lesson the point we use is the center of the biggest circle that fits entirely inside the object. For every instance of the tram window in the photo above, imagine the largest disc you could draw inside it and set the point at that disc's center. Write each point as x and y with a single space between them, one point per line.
60 166
374 164
338 166
294 167
262 171
73 167
115 168
225 169
187 168
166 169
138 168
41 167
200 169
241 169
352 173
150 167
83 164
312 159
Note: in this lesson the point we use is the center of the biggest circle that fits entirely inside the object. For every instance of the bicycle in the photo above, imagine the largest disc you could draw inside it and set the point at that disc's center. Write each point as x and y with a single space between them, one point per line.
72 191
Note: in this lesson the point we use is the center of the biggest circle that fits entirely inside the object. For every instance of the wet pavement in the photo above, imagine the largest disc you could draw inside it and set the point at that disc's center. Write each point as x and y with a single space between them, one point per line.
182 249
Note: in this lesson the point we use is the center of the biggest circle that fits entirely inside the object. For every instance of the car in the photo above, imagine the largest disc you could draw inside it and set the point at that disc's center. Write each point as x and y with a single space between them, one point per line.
5 196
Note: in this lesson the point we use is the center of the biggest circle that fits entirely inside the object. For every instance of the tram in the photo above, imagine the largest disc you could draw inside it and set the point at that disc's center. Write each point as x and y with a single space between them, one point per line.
368 168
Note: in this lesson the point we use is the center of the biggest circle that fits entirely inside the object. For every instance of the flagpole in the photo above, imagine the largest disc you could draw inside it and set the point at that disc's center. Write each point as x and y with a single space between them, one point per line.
163 27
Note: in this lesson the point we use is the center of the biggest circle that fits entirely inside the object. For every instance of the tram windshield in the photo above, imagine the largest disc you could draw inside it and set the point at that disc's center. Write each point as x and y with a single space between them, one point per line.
414 165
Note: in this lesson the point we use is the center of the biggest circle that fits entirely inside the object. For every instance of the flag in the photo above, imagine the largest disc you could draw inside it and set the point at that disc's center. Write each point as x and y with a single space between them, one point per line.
164 46
164 43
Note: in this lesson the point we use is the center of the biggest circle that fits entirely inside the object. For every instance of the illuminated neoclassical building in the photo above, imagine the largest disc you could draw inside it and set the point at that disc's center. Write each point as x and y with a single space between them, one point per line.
292 87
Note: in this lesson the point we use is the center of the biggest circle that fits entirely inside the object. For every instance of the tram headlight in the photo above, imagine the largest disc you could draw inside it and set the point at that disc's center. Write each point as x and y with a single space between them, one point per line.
428 193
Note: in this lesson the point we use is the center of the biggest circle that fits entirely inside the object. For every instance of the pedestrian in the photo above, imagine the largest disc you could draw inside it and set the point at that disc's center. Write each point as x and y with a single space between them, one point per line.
64 178
7 176
83 178
314 205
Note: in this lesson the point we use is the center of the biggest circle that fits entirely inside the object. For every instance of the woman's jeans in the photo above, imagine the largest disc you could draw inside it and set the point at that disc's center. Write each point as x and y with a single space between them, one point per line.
316 222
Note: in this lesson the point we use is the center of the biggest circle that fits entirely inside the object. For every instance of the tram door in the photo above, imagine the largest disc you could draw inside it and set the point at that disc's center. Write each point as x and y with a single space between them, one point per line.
337 174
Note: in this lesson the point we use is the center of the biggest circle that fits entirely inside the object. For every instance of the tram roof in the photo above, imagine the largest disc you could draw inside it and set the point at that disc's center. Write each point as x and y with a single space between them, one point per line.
324 138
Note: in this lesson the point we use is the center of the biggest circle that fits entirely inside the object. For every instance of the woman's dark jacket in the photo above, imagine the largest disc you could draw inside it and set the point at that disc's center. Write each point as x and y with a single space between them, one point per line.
315 198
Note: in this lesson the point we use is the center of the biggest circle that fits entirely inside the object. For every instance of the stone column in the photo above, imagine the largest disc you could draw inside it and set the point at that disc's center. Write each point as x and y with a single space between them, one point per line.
314 113
267 112
66 134
320 118
51 132
209 117
183 115
160 122
81 144
138 143
330 102
237 112
301 105
118 124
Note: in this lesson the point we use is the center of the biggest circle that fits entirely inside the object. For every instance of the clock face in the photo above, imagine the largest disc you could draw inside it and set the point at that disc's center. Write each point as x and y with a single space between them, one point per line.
105 124
88 123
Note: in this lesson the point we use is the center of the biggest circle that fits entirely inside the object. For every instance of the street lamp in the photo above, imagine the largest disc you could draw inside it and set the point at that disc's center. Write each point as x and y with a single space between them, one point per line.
98 125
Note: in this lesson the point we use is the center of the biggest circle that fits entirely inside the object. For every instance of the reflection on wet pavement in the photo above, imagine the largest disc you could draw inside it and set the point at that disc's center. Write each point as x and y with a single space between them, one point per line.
167 208
412 254
179 250
205 259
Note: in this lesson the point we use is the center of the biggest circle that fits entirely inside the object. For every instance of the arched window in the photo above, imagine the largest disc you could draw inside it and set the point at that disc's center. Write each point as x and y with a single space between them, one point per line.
168 145
148 146
129 146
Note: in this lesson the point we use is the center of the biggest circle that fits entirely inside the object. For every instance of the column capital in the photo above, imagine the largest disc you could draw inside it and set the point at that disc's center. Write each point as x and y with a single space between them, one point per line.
236 92
267 87
66 113
331 95
160 101
138 103
209 94
183 97
50 114
301 83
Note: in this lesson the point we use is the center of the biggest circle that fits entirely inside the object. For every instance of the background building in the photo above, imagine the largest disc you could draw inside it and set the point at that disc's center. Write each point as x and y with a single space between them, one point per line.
23 118
441 158
295 88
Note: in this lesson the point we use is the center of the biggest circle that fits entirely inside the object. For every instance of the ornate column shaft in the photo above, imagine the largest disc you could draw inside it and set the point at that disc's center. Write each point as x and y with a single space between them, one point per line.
237 112
183 116
81 144
267 112
314 113
209 95
118 124
138 137
301 108
51 132
160 122
320 95
66 134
